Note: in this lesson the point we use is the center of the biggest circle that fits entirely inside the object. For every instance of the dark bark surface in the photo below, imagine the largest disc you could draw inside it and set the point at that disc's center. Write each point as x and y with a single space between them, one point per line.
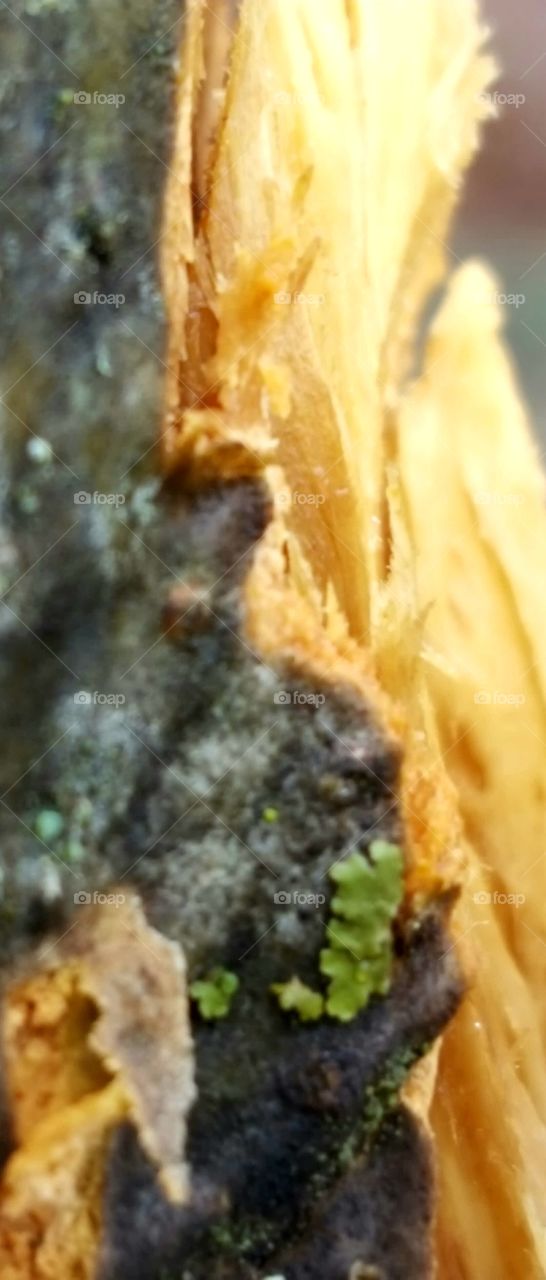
162 774
81 592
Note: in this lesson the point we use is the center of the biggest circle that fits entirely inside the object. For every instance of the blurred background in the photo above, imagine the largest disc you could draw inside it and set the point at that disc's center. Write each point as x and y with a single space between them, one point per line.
503 216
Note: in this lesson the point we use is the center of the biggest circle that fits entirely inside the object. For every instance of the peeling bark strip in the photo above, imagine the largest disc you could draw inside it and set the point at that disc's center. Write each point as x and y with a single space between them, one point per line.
78 1038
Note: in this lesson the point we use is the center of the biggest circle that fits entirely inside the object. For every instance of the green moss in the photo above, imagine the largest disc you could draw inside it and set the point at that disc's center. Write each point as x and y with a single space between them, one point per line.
383 1096
294 995
358 961
349 1151
214 993
238 1238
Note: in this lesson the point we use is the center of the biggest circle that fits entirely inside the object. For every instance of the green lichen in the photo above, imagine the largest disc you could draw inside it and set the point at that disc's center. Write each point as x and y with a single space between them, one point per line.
65 97
72 851
383 1096
358 961
214 993
49 825
294 995
27 500
238 1238
380 1101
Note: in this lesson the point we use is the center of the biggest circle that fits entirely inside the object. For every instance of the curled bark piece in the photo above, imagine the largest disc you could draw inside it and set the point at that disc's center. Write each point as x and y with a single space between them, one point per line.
97 1038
